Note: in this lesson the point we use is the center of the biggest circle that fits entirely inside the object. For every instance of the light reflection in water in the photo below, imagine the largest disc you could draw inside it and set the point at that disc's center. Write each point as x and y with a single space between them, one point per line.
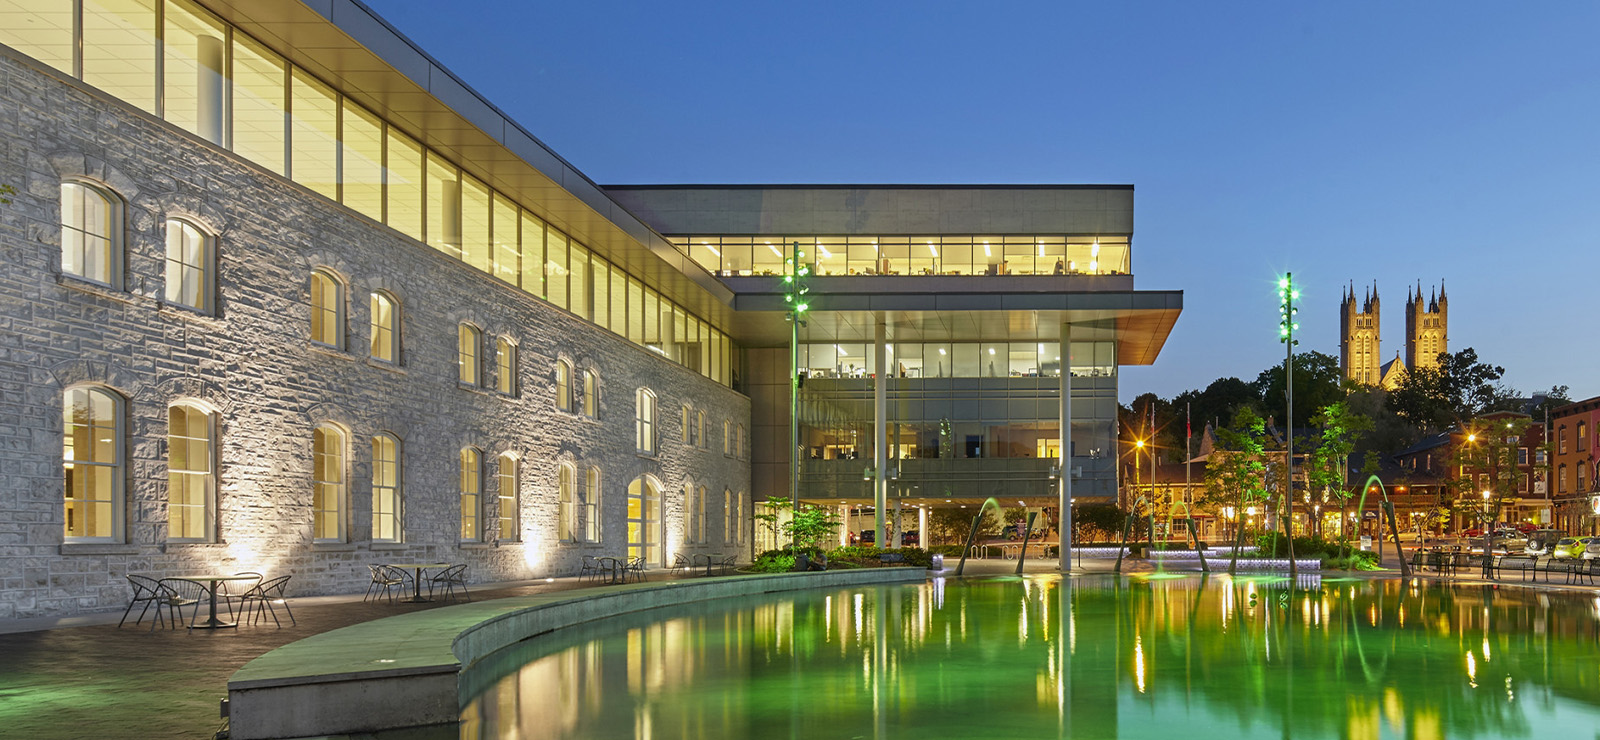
1159 658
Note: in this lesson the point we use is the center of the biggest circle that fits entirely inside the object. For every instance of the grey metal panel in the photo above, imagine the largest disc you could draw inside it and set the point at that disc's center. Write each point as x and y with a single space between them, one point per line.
532 152
323 8
967 302
376 37
465 103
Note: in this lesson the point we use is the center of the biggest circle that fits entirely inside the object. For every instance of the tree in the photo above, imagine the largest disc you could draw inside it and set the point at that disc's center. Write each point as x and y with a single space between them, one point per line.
1236 475
951 526
1105 520
1317 384
1485 460
806 526
1219 401
1327 466
1459 389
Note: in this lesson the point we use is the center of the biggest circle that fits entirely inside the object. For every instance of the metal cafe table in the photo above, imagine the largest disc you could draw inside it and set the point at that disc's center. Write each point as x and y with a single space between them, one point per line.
212 622
416 578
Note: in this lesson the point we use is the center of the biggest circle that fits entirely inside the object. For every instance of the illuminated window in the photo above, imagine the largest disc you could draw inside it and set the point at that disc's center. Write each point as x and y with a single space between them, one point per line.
506 489
388 495
188 263
468 341
645 422
191 479
327 309
727 516
91 229
727 437
119 49
591 504
194 70
327 484
92 464
385 327
505 363
563 385
471 494
700 429
566 503
591 395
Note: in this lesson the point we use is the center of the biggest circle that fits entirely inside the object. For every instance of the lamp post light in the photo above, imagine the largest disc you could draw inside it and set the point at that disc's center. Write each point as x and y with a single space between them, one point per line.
1287 325
795 298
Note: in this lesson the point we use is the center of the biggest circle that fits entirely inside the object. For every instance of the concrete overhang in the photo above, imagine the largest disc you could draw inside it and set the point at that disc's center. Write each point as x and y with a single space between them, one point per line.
349 46
964 309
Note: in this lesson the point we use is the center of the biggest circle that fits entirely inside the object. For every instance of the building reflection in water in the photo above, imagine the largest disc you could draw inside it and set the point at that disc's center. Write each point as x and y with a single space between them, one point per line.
1089 656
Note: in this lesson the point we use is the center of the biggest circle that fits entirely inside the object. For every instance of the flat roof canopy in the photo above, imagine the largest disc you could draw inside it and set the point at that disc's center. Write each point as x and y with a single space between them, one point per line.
845 309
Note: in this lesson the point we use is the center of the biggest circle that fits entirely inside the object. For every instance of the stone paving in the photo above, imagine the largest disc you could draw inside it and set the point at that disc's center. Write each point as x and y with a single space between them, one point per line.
98 681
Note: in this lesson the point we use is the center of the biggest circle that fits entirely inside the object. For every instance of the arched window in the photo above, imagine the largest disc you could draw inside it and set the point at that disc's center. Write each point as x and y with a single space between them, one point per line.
327 309
700 429
505 364
566 501
591 504
591 395
385 327
91 234
189 273
191 474
688 426
700 497
727 516
644 520
468 350
727 438
563 385
388 492
92 464
506 489
328 486
471 494
738 518
644 427
691 535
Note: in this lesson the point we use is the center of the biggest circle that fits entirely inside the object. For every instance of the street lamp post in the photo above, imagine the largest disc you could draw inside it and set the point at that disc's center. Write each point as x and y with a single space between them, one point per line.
1286 328
796 300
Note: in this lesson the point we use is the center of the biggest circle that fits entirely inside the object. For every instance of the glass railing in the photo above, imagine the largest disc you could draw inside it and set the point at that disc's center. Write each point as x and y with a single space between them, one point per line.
750 256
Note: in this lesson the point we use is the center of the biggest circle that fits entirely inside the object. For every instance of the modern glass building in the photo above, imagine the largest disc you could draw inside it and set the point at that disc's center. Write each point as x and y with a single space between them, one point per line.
283 293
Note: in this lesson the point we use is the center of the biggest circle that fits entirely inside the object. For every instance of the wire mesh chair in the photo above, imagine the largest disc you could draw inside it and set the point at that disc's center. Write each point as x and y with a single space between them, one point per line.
229 592
177 593
262 598
589 569
634 569
385 578
450 579
681 564
728 563
147 591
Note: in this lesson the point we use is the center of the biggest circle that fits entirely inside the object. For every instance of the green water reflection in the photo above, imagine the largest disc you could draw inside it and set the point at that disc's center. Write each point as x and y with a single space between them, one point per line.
1085 657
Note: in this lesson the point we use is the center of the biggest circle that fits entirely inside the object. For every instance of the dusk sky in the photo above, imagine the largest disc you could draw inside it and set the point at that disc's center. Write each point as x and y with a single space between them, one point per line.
1387 142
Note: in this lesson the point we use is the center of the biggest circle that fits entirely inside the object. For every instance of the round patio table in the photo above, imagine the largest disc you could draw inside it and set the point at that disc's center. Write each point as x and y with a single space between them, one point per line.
212 579
416 578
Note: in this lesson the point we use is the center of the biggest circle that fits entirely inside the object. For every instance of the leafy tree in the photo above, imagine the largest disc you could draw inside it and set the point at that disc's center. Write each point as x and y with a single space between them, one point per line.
950 526
1554 398
1487 449
1317 384
1236 474
1459 389
1218 402
805 526
1327 466
1104 520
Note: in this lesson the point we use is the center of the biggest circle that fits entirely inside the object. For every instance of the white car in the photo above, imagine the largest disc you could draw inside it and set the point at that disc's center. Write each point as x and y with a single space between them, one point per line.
1592 551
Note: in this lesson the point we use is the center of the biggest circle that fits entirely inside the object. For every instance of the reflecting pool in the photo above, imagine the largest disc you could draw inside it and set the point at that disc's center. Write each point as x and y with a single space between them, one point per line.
1085 657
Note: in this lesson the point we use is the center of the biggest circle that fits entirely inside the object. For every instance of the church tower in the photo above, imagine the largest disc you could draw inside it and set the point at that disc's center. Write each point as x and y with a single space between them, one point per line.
1358 337
1427 328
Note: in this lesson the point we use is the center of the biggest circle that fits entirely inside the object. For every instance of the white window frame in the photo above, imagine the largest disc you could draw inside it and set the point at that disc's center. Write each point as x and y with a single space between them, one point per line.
469 355
566 502
207 476
591 394
204 268
338 488
394 489
508 492
116 467
113 239
590 505
335 313
644 416
505 363
564 385
469 486
385 336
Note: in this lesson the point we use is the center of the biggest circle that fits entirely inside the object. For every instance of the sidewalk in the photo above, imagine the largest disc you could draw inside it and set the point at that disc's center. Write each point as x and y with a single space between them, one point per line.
84 678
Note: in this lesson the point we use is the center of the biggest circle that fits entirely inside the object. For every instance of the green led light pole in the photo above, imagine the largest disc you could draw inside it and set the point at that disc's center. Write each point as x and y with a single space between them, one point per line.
795 278
1288 295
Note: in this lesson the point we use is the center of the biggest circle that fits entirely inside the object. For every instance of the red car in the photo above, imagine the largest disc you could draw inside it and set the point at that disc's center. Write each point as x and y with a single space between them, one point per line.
1474 532
1526 527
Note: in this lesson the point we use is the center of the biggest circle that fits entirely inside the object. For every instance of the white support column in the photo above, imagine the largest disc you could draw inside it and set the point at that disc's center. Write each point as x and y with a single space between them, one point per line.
898 527
922 527
844 527
880 427
1064 462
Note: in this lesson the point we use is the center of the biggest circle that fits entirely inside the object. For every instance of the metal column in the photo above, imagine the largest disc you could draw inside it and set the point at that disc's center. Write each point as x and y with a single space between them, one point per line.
1064 457
880 428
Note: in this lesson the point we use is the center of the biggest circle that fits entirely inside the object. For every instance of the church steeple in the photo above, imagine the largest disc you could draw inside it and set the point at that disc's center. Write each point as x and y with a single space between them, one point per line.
1358 334
1427 327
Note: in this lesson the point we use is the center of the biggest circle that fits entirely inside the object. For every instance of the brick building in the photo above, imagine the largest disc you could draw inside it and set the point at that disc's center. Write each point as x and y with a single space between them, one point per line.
1573 465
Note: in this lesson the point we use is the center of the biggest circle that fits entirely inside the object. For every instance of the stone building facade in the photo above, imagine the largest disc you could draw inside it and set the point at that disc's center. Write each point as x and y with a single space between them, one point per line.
249 362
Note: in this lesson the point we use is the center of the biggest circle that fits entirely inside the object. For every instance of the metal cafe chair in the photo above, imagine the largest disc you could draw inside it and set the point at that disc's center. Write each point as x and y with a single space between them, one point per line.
263 598
680 564
177 593
634 569
384 579
147 591
589 569
229 592
450 579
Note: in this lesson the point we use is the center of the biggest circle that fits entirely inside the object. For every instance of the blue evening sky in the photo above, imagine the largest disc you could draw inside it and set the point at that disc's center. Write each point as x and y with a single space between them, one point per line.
1348 141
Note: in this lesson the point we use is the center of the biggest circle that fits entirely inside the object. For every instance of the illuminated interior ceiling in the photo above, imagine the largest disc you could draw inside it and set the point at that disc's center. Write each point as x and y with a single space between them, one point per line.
1139 321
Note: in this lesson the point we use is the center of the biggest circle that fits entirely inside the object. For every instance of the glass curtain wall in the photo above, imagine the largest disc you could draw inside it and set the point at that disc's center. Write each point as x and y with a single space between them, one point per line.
965 418
174 59
1075 254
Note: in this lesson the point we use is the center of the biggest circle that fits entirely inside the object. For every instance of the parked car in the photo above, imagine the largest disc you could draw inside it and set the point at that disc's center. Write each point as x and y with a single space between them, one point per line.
1527 527
1508 540
1540 541
869 536
1474 532
909 539
1567 548
1591 548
